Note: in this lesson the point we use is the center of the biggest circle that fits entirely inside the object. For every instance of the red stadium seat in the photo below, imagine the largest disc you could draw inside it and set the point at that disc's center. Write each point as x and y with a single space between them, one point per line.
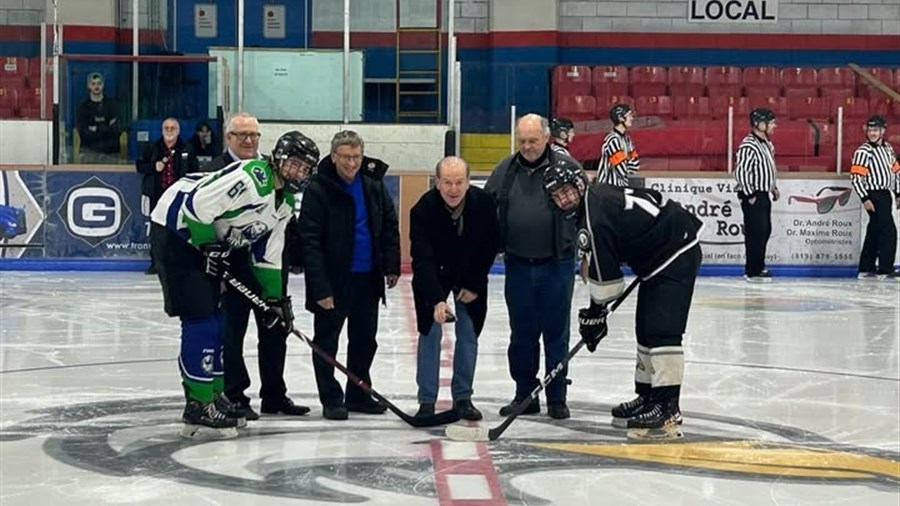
14 66
836 77
8 102
718 106
855 108
691 108
687 81
761 82
13 81
659 106
809 108
647 81
836 94
884 75
34 66
799 77
609 81
778 105
724 81
603 106
800 93
30 102
572 80
577 107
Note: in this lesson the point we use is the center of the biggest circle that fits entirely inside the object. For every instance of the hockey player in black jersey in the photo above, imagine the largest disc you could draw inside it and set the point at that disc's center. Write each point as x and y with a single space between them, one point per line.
659 241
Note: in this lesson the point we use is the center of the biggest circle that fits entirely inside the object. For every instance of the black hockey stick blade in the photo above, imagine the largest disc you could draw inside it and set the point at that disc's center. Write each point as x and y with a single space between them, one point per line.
442 418
480 433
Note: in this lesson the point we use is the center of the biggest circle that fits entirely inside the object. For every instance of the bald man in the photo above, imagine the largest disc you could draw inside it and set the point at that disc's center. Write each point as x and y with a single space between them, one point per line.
454 236
539 246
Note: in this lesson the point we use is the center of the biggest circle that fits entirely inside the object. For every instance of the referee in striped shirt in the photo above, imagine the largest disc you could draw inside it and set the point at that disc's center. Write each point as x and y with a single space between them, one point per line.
875 174
618 158
756 177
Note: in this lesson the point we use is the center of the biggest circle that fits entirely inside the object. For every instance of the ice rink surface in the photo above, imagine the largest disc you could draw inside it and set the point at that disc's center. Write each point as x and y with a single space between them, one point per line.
791 397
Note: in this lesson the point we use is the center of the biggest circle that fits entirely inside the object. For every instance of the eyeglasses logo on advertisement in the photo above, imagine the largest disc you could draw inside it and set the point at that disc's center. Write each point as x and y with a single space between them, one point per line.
825 203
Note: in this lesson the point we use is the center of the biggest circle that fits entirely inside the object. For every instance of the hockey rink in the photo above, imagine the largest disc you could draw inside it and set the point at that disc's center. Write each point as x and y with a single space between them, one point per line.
791 397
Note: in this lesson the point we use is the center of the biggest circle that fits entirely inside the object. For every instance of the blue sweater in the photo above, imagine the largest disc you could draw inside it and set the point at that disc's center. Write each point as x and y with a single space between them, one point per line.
362 242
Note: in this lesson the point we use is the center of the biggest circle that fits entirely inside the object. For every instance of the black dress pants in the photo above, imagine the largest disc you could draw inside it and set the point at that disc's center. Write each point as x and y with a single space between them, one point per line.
757 230
881 235
360 310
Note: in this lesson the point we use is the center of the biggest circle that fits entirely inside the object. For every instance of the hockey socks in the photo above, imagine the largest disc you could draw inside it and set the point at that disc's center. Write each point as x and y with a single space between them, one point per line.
200 360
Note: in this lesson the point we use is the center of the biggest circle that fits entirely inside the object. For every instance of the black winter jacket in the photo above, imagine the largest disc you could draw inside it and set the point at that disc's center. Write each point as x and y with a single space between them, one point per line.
185 162
327 232
445 262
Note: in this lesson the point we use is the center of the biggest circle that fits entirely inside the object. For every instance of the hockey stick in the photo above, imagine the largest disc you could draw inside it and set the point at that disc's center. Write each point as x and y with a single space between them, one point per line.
482 433
442 418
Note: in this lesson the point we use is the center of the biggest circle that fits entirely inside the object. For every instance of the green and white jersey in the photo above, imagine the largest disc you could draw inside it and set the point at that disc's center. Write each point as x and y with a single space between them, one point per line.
237 205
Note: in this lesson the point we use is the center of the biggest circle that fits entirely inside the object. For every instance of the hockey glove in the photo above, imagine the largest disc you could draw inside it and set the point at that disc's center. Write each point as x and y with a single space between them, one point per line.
280 312
215 258
592 325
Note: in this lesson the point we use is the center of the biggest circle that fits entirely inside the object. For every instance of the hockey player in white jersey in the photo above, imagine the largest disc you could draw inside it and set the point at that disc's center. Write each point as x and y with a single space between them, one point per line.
196 223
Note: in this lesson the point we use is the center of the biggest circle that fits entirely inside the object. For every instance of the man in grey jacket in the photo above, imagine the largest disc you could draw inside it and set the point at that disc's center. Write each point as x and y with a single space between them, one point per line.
538 242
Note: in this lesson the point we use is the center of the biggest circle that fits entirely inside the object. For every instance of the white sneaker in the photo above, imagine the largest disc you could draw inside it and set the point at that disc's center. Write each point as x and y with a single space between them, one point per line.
866 275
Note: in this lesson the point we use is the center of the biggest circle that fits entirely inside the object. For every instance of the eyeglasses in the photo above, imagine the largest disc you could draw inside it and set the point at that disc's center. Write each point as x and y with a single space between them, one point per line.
244 136
349 158
825 203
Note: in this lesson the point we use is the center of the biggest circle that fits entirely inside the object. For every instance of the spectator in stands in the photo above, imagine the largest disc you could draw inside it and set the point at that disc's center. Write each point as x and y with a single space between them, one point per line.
454 238
98 124
562 132
204 142
351 251
539 243
875 174
162 163
757 177
618 158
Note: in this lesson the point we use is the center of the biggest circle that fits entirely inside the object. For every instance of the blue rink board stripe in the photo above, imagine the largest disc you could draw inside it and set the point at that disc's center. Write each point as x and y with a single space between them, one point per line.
95 264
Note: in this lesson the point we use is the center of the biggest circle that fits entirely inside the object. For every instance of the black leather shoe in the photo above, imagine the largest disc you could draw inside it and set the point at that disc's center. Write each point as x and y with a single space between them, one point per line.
335 412
425 409
284 406
559 411
532 409
466 410
369 407
245 411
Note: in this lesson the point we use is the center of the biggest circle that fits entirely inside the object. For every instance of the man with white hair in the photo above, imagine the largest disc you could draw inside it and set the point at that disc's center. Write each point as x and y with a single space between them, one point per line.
539 245
161 164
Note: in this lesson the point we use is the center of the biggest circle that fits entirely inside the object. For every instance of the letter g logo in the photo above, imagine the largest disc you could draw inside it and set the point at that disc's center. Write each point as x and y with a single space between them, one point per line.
94 211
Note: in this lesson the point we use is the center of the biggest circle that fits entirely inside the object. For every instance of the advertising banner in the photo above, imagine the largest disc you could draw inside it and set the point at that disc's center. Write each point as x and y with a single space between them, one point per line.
815 222
81 214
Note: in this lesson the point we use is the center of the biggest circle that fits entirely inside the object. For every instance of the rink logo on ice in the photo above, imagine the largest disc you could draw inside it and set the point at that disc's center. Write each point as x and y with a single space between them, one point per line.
94 211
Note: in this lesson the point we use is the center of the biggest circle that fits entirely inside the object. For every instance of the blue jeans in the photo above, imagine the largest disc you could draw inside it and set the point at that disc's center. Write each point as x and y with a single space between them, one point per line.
464 356
539 302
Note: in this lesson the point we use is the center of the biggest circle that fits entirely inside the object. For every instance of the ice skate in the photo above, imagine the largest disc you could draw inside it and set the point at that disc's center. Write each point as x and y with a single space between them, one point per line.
661 422
204 420
630 409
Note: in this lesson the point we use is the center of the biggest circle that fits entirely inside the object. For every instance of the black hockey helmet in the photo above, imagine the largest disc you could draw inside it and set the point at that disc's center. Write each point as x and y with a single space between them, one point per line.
560 127
761 114
560 174
617 113
876 121
295 144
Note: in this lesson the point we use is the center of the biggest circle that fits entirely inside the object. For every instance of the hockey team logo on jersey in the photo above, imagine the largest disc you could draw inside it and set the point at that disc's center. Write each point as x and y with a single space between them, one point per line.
259 173
94 211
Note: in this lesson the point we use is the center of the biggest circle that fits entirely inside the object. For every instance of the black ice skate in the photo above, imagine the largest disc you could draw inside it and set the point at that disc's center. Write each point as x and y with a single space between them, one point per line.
205 420
630 409
661 421
230 409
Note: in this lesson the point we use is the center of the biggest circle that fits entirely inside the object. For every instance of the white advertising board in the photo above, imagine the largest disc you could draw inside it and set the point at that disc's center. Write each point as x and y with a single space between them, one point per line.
815 222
